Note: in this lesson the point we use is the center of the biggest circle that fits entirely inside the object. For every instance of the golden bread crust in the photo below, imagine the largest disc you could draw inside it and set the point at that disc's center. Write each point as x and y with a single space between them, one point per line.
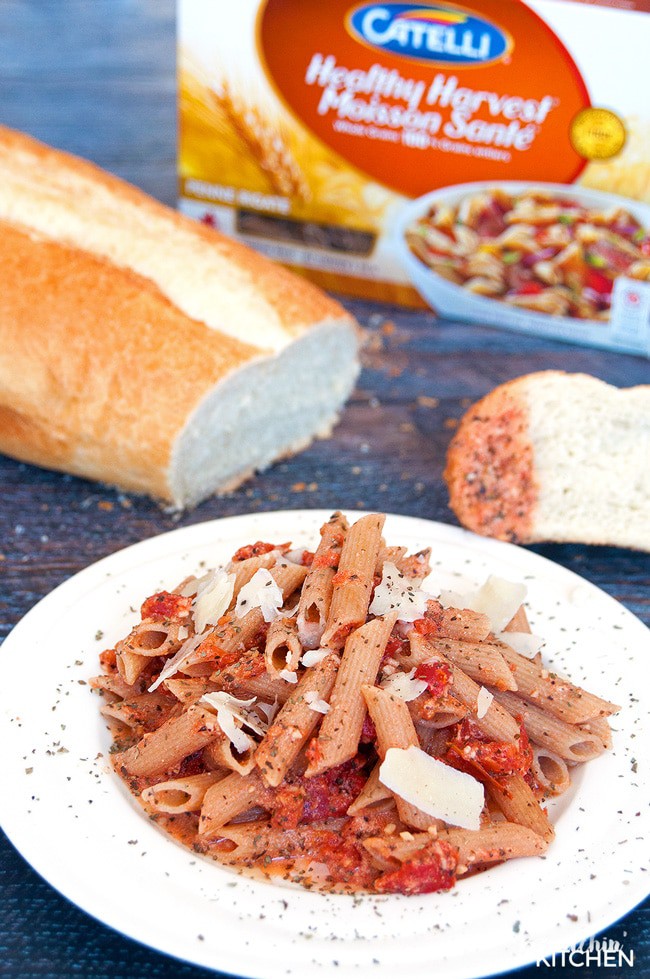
80 392
490 467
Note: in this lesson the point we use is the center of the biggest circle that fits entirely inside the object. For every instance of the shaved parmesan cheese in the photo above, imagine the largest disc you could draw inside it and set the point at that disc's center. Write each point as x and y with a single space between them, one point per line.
261 592
315 703
483 702
213 597
177 661
522 642
269 710
454 599
289 675
190 587
397 593
296 555
437 789
183 633
314 656
404 685
497 598
232 715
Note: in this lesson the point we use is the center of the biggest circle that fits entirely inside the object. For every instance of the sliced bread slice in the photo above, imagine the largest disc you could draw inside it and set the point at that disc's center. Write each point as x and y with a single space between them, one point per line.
555 457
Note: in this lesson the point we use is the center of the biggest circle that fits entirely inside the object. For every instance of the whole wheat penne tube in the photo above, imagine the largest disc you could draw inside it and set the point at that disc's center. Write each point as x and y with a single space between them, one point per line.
228 798
178 795
220 754
266 688
386 553
116 686
550 771
415 566
146 711
244 570
372 792
316 594
146 640
447 710
482 661
519 622
189 690
260 839
497 723
517 802
395 729
553 693
599 727
283 648
491 843
338 738
354 580
573 743
177 738
456 623
296 721
236 634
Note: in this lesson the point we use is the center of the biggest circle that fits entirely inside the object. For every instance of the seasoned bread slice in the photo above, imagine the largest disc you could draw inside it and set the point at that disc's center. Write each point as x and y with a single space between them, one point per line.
143 350
555 457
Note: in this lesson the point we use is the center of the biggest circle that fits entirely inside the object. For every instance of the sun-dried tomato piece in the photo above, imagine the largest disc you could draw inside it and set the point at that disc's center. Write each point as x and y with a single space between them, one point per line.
165 606
431 869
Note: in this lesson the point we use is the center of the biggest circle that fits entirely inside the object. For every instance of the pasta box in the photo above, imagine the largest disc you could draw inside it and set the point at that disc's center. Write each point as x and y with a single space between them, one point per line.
490 159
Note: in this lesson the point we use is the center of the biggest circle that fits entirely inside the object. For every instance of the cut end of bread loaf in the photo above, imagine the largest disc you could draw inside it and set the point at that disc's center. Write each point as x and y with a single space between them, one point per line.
555 457
273 408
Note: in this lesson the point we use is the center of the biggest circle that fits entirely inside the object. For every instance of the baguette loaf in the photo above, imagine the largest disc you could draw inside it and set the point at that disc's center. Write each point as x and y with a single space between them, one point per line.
142 349
555 457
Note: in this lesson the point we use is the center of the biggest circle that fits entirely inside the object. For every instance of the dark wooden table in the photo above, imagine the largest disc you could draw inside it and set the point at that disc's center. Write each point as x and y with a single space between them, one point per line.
97 78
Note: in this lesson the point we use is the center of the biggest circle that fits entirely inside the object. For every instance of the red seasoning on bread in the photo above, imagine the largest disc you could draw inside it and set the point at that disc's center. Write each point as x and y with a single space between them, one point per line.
142 349
555 457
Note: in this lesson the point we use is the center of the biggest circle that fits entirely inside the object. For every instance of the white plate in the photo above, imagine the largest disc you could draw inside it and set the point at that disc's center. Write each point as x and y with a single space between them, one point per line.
71 819
457 303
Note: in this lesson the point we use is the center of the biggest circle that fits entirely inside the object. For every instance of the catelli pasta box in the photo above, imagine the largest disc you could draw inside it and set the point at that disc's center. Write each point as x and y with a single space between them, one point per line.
491 159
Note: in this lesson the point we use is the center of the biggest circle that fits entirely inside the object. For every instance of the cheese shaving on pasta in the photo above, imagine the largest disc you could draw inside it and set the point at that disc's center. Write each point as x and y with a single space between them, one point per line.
289 675
404 685
498 598
260 592
316 703
433 787
483 702
230 710
176 662
397 593
314 656
522 642
213 597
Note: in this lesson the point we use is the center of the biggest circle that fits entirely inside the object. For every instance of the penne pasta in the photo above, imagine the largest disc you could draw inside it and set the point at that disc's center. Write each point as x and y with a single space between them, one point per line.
296 721
229 797
338 738
354 580
178 795
395 729
316 594
550 771
174 740
517 802
496 722
573 743
483 661
283 649
554 693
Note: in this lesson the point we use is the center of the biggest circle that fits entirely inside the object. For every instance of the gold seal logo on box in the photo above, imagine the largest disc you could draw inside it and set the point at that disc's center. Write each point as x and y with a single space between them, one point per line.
597 134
